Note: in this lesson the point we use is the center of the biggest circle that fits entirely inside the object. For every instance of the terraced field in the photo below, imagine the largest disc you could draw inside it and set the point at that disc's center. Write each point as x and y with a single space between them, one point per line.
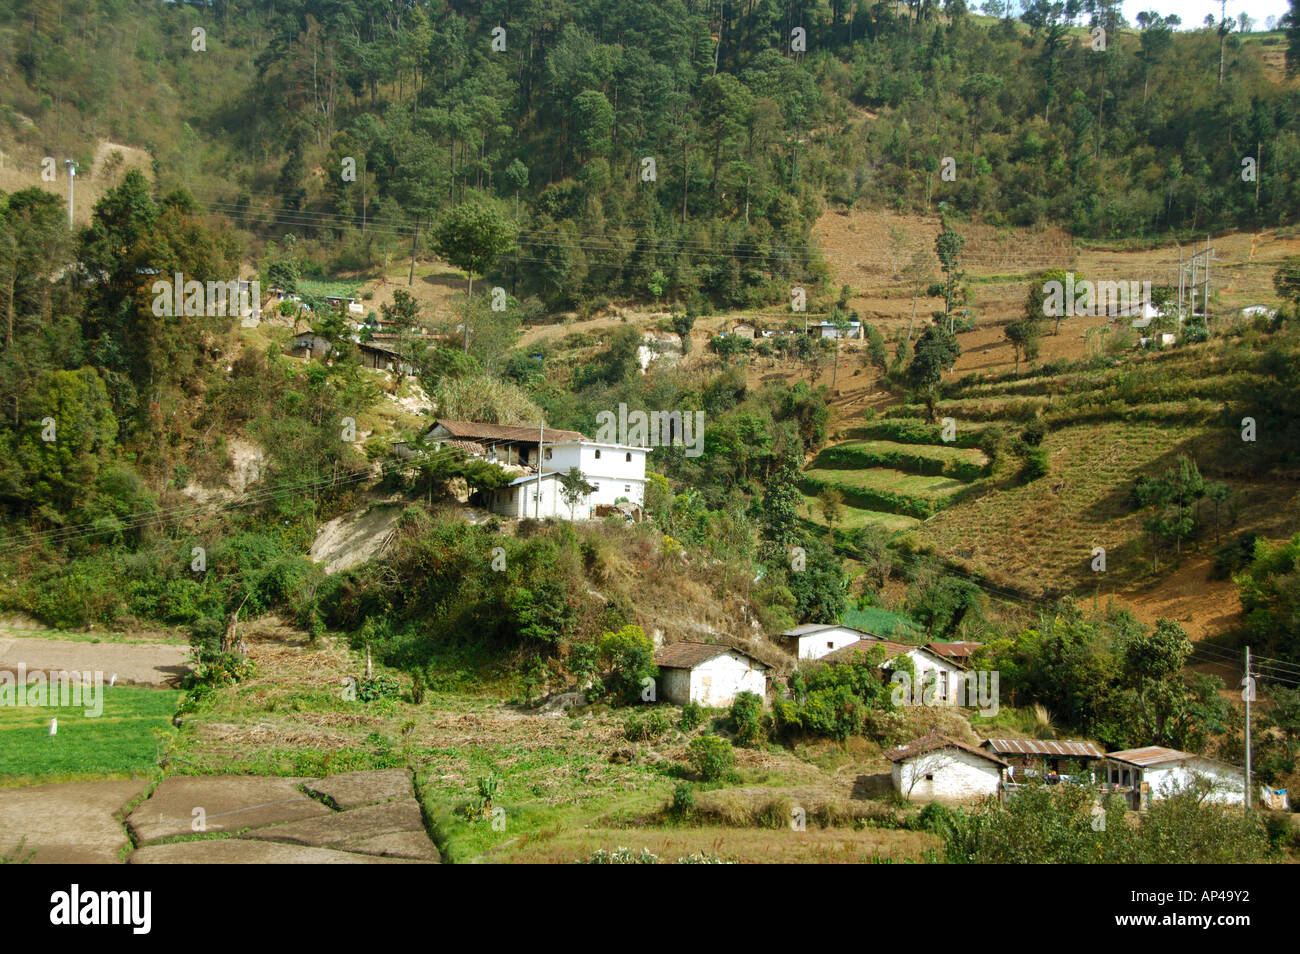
855 518
893 483
1042 533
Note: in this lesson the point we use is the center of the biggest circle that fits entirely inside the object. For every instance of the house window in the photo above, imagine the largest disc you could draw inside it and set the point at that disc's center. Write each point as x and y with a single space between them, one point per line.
627 488
830 644
629 457
548 453
595 488
929 776
597 455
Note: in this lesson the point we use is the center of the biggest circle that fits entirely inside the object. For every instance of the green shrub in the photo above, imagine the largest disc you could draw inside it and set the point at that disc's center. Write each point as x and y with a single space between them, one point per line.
683 804
377 687
692 716
747 718
640 728
629 654
1037 464
711 757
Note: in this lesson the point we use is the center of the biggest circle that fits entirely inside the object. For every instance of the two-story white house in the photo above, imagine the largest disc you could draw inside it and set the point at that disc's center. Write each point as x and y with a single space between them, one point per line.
615 472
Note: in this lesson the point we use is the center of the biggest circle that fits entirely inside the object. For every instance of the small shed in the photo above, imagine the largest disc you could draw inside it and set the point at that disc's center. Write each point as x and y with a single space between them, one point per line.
380 357
939 768
1044 758
815 640
709 674
743 329
308 344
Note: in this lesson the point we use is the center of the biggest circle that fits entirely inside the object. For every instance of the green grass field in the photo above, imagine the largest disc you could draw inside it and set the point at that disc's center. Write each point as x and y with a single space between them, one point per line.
939 452
873 619
855 518
119 742
888 480
327 289
106 636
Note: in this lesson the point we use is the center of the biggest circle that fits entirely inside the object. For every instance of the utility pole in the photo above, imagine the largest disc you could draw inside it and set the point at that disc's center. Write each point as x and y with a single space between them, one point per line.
541 435
410 280
1180 283
1205 299
1259 158
72 176
1248 694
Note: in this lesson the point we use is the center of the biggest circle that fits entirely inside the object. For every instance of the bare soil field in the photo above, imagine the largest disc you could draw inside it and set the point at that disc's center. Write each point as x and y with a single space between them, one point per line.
23 171
157 665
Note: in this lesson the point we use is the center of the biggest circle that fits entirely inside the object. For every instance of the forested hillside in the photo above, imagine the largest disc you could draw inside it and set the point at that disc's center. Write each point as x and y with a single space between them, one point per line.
749 138
825 234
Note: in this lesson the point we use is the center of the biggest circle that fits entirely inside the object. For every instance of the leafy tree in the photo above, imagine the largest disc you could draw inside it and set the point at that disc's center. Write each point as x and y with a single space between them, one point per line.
936 351
403 311
780 513
628 654
1025 336
948 245
472 236
573 487
1174 499
58 474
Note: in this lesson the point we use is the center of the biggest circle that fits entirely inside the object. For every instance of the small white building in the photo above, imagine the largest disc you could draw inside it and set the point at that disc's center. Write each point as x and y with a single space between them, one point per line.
937 768
1154 772
616 472
815 640
929 668
709 674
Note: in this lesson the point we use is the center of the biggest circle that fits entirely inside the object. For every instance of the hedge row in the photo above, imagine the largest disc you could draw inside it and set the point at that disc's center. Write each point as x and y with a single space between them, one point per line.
847 457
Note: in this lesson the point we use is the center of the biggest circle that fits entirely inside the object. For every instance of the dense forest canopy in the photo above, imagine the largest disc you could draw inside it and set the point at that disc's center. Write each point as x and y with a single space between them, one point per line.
751 126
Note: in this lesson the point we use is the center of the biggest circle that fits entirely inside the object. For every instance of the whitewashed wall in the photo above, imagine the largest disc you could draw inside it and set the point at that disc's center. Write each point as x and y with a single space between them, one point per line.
715 683
1229 783
923 664
958 776
817 645
613 474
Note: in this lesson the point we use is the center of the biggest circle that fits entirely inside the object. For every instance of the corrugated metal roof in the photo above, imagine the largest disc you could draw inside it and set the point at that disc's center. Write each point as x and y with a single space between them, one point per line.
956 650
809 629
1151 755
686 655
1044 747
471 430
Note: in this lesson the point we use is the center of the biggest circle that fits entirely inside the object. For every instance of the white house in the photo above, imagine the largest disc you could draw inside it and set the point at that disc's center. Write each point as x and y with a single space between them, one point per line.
937 768
827 329
815 640
709 674
928 667
1155 772
616 472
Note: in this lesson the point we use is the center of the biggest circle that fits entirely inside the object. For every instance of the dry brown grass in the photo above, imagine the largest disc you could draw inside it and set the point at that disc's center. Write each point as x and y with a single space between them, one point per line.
770 846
